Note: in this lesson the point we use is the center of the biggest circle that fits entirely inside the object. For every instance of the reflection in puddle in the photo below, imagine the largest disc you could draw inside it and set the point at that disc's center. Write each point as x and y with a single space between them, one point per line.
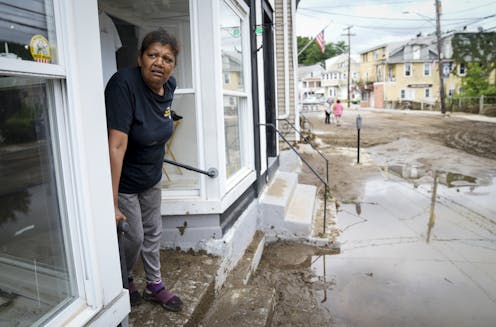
411 255
453 180
432 215
422 174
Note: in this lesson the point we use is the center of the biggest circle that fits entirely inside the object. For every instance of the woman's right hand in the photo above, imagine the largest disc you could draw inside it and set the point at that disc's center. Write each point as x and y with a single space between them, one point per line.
119 216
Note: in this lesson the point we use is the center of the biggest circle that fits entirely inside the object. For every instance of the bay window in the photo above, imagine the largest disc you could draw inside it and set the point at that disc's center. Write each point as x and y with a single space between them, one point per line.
37 268
234 51
50 271
132 21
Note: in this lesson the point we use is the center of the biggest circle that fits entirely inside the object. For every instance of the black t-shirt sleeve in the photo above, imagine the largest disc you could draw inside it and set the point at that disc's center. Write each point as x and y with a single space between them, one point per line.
171 84
119 104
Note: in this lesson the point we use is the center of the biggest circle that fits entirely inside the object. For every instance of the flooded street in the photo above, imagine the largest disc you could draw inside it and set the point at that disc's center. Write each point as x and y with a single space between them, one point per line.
402 266
416 223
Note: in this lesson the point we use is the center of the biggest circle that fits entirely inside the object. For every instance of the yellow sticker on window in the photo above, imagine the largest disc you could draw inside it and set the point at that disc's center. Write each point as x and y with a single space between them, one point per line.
40 49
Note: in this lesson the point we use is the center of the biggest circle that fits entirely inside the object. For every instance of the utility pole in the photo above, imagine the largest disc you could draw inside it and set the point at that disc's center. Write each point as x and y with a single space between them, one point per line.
437 4
349 63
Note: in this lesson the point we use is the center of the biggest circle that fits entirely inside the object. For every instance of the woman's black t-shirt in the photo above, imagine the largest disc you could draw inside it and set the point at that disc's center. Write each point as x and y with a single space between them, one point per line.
133 108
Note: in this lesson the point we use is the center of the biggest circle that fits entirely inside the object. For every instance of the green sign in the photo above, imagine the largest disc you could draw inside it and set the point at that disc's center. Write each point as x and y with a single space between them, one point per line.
236 32
259 30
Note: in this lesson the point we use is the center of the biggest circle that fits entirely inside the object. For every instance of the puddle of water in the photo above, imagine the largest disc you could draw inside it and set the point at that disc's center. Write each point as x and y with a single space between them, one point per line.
415 253
422 174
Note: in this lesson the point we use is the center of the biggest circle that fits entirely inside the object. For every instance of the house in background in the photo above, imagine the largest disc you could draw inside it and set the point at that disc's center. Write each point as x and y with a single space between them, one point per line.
310 90
372 72
335 77
408 72
58 241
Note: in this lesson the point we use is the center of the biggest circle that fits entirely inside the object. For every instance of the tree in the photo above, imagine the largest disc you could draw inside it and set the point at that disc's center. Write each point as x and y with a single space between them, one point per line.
476 82
476 51
312 54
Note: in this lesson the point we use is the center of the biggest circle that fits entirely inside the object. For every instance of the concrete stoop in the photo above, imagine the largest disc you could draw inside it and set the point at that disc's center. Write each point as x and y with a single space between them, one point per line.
189 275
242 307
193 277
242 273
287 208
238 304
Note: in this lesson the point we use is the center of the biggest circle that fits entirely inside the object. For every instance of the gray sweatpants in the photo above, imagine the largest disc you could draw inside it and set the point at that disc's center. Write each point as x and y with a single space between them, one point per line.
142 211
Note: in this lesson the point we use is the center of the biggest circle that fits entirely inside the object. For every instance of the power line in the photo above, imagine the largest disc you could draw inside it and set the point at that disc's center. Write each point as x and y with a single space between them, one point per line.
389 18
348 5
413 28
468 9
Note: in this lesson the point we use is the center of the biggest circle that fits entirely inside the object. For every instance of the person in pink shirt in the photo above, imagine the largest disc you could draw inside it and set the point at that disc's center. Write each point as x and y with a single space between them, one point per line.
337 109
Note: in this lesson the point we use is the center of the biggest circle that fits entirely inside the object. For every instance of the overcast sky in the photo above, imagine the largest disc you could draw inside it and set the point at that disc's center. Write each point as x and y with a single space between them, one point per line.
382 21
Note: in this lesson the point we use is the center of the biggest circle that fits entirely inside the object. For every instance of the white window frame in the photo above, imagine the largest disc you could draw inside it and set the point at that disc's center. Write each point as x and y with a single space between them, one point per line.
462 69
402 94
427 92
428 70
242 176
83 230
408 69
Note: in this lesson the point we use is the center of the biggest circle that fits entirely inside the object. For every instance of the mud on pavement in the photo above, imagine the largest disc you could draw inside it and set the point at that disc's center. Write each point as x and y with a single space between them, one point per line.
427 140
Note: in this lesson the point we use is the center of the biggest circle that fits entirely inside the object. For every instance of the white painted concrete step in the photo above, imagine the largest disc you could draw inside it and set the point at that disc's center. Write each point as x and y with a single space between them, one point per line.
301 209
287 208
277 195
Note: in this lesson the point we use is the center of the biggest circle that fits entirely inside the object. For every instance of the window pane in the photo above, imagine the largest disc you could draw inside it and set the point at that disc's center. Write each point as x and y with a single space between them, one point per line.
35 273
124 23
233 132
231 48
27 30
182 146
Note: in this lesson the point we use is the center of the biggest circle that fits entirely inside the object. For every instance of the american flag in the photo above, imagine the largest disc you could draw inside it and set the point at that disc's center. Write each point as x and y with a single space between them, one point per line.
319 39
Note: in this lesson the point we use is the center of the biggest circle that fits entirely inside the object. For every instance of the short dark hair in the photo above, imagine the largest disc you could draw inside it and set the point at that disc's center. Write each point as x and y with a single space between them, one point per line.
163 38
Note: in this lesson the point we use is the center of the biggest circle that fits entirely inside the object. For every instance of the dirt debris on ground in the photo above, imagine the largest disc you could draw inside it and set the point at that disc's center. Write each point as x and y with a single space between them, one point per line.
430 141
286 266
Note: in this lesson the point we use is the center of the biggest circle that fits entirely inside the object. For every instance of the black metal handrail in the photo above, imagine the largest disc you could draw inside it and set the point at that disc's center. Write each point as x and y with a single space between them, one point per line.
211 172
308 142
326 186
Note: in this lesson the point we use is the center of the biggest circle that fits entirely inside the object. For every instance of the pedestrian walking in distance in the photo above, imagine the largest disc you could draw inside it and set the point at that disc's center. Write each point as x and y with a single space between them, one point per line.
328 110
337 109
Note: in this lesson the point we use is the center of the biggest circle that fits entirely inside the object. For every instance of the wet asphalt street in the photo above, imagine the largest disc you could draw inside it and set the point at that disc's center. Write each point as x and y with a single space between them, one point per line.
409 258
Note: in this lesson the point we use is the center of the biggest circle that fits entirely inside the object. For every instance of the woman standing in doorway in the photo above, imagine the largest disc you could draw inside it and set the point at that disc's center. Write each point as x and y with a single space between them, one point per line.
138 102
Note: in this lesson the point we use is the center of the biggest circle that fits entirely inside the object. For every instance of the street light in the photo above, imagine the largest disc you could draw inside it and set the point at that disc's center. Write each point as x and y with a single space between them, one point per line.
424 17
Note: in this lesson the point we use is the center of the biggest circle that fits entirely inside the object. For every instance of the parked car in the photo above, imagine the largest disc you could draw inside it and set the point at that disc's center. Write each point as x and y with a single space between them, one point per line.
356 100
